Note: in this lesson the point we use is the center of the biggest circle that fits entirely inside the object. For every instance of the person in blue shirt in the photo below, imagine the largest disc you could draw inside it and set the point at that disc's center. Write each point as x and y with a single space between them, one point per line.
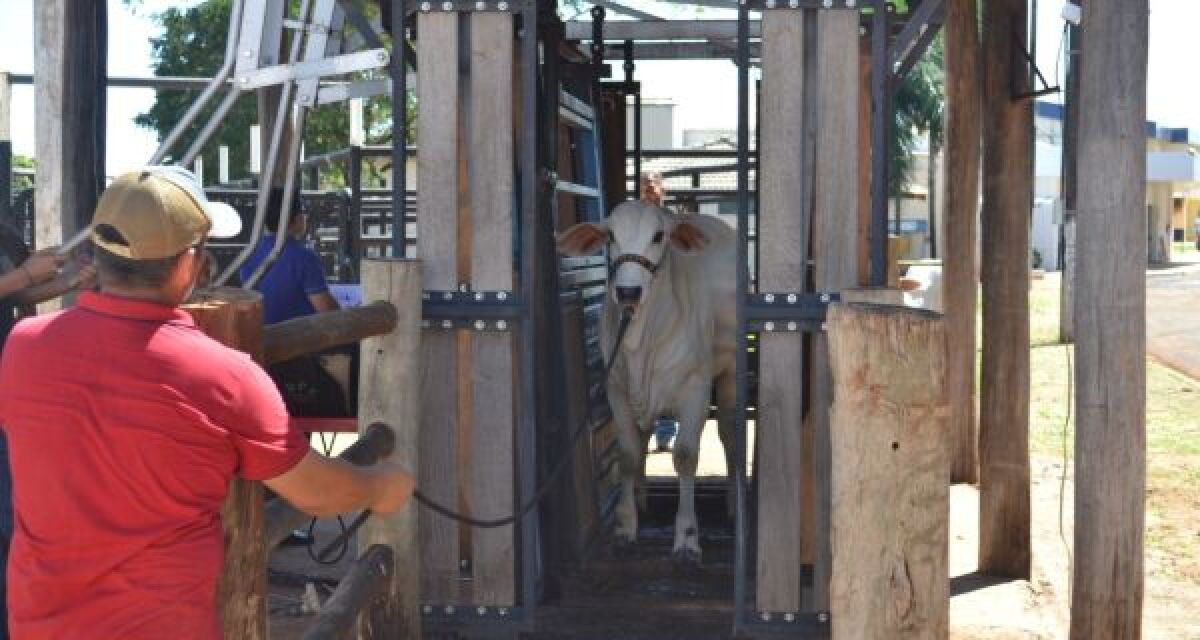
294 285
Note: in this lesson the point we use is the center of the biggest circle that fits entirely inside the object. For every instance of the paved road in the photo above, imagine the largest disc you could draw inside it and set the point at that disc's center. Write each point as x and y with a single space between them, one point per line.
1173 318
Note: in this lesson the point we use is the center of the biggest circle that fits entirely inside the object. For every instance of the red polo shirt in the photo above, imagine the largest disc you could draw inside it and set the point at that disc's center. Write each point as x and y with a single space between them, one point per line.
125 425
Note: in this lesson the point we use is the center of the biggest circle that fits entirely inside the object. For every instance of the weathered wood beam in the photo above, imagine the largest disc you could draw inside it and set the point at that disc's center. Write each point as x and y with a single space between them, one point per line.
1004 517
375 443
959 245
367 578
312 333
1110 325
233 317
891 503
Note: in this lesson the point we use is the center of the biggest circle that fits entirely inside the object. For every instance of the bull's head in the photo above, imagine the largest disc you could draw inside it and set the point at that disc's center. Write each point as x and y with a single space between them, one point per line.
638 236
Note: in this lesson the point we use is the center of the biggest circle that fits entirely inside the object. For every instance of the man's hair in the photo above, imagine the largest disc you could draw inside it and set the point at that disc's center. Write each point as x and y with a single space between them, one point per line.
126 271
275 208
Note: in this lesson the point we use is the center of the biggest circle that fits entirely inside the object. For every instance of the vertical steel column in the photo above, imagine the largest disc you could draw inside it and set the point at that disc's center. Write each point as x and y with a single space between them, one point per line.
743 199
532 183
399 129
354 179
881 124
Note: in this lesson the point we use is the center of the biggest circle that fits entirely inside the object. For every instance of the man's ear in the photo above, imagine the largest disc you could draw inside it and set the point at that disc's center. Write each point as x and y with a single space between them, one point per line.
688 238
583 239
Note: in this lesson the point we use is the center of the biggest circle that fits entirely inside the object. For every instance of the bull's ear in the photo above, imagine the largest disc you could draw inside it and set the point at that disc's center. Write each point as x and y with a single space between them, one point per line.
583 239
688 238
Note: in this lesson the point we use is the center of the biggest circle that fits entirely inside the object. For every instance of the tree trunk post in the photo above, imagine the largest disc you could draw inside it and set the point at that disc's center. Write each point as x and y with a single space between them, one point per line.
233 317
1004 521
390 392
1110 321
891 503
959 245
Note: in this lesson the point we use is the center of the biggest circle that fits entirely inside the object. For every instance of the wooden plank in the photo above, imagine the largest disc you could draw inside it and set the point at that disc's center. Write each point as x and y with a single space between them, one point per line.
437 214
783 254
959 245
1004 519
835 236
390 392
233 317
491 182
317 332
1110 334
891 503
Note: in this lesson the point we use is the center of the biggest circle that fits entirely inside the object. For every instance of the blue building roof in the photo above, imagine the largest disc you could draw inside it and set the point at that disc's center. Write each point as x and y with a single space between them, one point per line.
1180 135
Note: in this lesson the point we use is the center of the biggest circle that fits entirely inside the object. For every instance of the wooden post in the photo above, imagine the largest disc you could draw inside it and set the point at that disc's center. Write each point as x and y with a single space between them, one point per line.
69 102
784 240
890 452
1004 547
317 332
959 244
1110 317
437 215
1070 183
233 317
390 392
835 238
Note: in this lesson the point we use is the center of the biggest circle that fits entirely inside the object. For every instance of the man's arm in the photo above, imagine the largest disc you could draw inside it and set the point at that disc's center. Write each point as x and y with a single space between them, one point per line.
323 486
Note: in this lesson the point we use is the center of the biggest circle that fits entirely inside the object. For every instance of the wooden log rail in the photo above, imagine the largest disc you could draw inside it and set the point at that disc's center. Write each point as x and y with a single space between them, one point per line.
375 444
317 332
368 578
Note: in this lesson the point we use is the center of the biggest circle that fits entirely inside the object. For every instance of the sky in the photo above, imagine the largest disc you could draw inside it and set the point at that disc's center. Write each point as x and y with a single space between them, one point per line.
705 92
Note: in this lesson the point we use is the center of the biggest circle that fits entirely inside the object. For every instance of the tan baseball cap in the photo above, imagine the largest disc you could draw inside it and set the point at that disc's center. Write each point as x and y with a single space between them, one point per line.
161 211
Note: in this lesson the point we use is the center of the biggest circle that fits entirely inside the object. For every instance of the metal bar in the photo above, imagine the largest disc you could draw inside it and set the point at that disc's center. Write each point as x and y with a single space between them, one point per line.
562 186
679 51
354 178
637 142
399 128
917 51
531 189
210 127
743 278
574 119
581 108
918 24
337 65
881 122
691 153
235 20
659 30
616 7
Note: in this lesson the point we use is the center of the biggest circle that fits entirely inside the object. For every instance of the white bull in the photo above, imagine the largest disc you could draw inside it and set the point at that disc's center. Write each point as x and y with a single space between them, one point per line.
678 274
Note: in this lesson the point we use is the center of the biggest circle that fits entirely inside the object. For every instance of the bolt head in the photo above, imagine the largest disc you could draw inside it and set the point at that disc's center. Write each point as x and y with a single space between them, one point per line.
479 295
850 4
789 617
503 6
502 295
480 6
792 326
503 611
480 325
795 4
770 4
770 326
481 610
425 324
425 6
427 609
501 325
446 324
447 6
449 609
791 298
765 616
823 616
827 4
824 297
447 296
769 298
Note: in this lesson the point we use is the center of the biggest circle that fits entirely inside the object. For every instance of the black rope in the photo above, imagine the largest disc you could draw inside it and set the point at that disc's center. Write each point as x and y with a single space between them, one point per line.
431 504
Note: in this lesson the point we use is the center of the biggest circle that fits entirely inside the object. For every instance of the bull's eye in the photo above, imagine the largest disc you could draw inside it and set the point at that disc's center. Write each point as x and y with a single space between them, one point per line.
658 237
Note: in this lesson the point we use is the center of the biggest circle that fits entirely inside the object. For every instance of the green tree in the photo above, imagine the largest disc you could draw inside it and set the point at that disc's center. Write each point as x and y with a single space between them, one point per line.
193 44
21 182
920 106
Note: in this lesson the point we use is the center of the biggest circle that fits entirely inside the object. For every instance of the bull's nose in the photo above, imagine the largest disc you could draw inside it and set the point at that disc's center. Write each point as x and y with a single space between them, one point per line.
629 295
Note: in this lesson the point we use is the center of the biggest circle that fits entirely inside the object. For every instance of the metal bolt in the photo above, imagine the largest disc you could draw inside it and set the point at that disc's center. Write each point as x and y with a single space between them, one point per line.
480 6
503 611
501 295
464 287
765 615
424 6
824 326
427 609
479 295
795 4
425 324
770 4
789 617
791 326
827 4
481 610
770 326
850 4
824 297
480 325
447 6
449 295
769 298
449 609
446 324
425 295
503 6
823 616
791 298
501 325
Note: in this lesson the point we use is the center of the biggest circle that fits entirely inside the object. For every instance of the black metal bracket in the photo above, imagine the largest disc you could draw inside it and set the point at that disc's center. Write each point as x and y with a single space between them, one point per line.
475 621
759 5
504 6
475 310
914 39
771 624
787 311
1021 96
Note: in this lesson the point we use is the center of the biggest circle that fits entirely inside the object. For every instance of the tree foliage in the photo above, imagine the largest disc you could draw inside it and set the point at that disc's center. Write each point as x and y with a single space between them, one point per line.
193 44
920 107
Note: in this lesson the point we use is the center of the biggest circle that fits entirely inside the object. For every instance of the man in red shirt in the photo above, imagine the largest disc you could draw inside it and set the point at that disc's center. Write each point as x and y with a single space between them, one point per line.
126 424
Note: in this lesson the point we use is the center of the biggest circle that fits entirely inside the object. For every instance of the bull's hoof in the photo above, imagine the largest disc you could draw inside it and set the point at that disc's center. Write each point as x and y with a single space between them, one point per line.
686 558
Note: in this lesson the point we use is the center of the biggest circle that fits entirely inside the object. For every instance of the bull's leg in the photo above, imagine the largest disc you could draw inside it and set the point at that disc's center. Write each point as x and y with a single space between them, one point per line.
630 466
693 410
726 408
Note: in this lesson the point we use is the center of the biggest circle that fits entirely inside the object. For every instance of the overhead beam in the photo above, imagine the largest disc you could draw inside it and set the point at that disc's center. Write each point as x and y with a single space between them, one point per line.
678 51
660 30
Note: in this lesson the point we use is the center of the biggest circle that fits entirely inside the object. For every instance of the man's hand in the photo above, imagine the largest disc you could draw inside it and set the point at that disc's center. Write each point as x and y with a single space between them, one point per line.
393 488
85 280
42 265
